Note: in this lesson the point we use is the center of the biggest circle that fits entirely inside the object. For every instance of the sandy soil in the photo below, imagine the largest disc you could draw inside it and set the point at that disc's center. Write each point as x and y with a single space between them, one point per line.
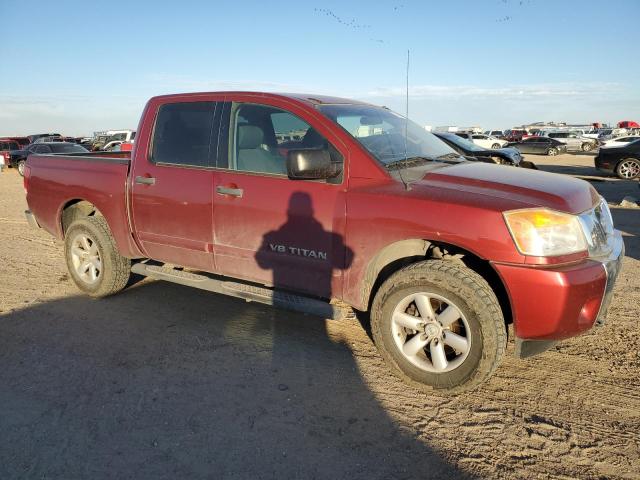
163 381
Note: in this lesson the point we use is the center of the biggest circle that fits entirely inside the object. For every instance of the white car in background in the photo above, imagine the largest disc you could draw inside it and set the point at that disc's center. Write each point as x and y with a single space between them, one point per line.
620 141
494 133
488 141
111 145
603 134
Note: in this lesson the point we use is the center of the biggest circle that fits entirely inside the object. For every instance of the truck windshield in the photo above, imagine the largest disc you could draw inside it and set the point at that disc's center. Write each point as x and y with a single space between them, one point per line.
382 133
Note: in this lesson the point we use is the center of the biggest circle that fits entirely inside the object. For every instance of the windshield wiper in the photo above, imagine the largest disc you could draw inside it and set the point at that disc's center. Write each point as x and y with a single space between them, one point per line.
408 162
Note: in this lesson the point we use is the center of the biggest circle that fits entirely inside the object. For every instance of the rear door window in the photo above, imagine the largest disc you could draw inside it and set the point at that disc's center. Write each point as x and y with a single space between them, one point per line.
184 135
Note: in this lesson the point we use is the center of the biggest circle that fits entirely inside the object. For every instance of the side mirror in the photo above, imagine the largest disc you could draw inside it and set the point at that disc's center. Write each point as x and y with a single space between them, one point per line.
309 164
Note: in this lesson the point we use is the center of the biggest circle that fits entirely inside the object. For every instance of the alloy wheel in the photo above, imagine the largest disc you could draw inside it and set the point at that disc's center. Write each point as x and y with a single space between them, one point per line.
431 332
629 169
85 257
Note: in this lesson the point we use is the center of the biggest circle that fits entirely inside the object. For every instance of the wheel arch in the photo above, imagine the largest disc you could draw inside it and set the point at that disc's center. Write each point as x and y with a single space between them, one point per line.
73 209
402 253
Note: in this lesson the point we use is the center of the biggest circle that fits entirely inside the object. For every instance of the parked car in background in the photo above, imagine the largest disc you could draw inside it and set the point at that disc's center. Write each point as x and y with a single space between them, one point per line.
111 145
21 141
573 141
620 141
508 156
515 134
18 158
6 146
49 139
488 141
628 124
540 146
124 147
593 133
609 133
623 161
33 138
104 141
495 133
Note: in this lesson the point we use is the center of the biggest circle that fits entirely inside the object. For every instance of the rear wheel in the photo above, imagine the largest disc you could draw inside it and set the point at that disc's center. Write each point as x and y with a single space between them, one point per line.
21 165
552 152
628 168
439 326
93 261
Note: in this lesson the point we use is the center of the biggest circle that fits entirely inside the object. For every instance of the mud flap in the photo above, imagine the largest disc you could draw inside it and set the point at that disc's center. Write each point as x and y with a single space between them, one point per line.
529 348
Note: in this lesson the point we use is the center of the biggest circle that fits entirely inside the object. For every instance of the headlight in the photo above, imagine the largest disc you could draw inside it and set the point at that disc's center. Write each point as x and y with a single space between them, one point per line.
540 232
597 225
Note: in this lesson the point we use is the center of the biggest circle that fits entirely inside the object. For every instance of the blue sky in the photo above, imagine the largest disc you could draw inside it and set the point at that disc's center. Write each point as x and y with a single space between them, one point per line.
80 66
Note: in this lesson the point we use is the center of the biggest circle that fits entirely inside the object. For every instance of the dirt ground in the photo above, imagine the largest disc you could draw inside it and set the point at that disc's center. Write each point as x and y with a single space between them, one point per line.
163 381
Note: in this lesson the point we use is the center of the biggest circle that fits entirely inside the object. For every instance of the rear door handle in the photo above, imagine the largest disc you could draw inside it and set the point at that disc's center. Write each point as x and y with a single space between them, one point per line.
146 180
234 192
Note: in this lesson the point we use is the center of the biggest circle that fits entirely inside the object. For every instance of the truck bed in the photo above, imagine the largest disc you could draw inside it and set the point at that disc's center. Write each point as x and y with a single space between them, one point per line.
53 182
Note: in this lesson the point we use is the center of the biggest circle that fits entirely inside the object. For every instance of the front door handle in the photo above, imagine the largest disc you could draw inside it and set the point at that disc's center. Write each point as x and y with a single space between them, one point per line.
146 180
234 192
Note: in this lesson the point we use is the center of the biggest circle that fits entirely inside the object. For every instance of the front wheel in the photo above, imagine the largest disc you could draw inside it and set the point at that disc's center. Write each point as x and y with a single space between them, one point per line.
552 152
21 165
495 146
439 326
628 169
92 258
586 147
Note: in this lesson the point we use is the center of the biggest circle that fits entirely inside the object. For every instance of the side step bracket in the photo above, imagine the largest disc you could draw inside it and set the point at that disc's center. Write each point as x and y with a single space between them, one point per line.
247 291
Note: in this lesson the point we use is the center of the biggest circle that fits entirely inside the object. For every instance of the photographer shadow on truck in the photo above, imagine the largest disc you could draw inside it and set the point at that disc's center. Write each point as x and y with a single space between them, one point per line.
303 242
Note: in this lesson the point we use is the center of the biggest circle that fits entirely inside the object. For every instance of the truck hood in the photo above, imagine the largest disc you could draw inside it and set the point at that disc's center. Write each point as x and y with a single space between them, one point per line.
529 188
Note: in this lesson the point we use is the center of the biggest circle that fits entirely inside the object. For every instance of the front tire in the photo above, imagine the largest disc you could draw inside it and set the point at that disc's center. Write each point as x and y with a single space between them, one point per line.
92 258
495 146
587 147
20 166
439 326
628 169
552 152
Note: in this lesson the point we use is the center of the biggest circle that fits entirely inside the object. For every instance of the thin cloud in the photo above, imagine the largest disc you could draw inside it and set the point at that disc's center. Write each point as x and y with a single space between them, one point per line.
506 92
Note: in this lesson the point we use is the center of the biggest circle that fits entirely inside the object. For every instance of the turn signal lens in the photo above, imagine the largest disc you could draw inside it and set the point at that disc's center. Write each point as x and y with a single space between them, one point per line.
545 233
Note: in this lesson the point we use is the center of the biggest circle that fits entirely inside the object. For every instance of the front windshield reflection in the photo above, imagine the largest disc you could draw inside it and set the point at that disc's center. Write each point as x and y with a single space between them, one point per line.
382 133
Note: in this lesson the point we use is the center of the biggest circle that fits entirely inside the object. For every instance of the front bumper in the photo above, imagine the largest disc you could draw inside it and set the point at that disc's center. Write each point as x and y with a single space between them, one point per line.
551 304
603 164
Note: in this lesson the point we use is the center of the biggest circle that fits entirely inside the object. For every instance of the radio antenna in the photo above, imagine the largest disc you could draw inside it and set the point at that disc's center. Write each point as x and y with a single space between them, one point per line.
406 125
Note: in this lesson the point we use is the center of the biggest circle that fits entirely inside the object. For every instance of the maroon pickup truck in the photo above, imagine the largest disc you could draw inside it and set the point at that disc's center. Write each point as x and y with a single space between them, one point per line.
324 205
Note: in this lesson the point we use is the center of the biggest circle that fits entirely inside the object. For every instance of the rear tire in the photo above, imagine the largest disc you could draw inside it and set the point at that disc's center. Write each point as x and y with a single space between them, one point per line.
628 169
471 345
92 258
20 167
